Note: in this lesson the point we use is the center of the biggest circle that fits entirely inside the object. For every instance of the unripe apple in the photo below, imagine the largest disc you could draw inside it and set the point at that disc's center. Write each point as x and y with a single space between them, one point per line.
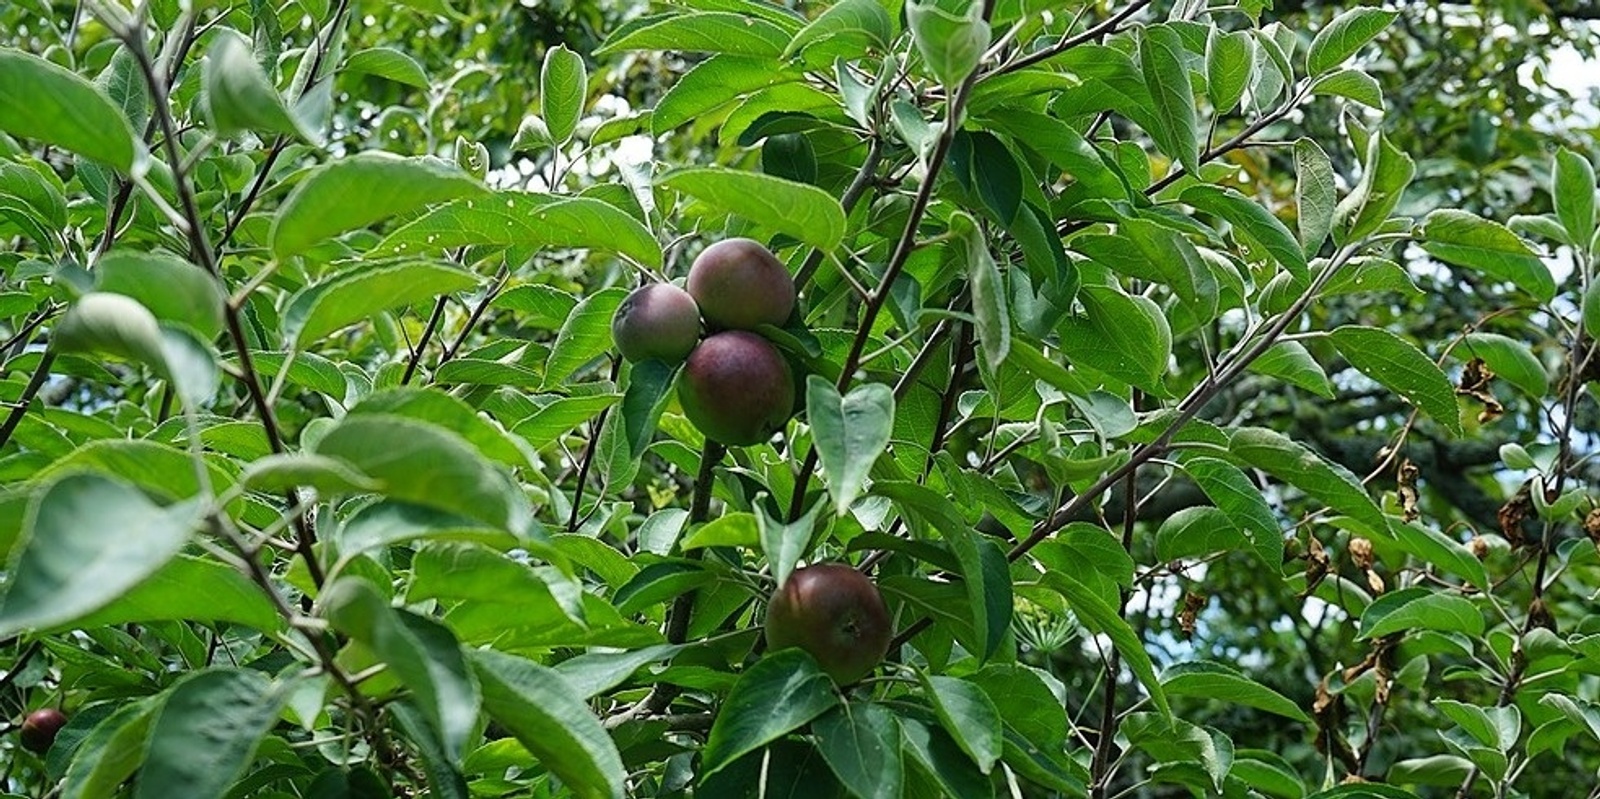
741 285
835 613
736 388
39 729
656 320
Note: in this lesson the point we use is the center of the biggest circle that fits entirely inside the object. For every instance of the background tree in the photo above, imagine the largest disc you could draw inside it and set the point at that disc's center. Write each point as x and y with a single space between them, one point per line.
1207 389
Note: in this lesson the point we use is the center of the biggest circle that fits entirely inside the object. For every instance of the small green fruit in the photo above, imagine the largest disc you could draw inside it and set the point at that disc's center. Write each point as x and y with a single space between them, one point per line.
740 285
657 320
736 388
836 614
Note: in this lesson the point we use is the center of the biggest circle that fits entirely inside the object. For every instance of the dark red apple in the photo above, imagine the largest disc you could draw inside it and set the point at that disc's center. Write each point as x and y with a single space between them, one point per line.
657 320
736 388
835 613
39 729
741 285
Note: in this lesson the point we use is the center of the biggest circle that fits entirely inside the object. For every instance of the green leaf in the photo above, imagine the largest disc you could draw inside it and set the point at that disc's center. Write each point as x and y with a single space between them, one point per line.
1363 791
291 470
556 419
1253 221
1065 147
1386 173
445 780
988 296
207 732
1221 682
1195 531
698 32
1126 337
950 35
585 335
188 588
1230 59
111 752
797 209
714 84
524 220
88 540
1399 366
1591 310
1314 194
1159 254
360 190
111 324
563 87
1573 192
358 294
1104 619
775 696
1511 360
237 95
1441 551
387 62
988 600
170 288
860 741
428 465
1291 361
1468 240
849 432
935 754
1238 498
549 717
1420 609
1351 84
785 544
1343 36
1161 55
731 530
39 100
968 715
1173 740
421 653
1328 483
859 24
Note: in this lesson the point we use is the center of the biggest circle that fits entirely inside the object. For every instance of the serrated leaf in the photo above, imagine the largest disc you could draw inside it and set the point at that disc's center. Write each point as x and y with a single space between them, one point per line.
1420 609
522 219
206 733
1329 483
1573 192
1161 54
797 209
860 742
782 691
549 717
1239 499
1102 618
864 23
357 191
421 653
359 293
950 36
1218 681
1344 35
172 289
1511 360
585 335
849 432
563 87
387 62
698 32
1126 337
1351 84
40 100
1466 239
1230 59
968 715
1386 172
1402 368
237 95
87 541
1255 222
1291 361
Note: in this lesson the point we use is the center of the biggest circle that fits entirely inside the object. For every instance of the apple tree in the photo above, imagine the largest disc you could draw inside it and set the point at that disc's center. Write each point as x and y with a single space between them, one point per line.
875 398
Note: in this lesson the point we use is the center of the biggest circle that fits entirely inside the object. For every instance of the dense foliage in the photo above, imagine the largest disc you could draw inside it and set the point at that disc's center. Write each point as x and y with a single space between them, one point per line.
1207 388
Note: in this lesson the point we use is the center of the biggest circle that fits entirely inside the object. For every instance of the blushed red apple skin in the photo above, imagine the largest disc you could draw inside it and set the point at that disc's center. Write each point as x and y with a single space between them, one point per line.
656 320
736 388
39 729
836 614
741 285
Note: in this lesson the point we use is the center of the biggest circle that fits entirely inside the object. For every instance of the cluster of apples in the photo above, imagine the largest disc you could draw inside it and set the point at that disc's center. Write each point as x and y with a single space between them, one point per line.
736 387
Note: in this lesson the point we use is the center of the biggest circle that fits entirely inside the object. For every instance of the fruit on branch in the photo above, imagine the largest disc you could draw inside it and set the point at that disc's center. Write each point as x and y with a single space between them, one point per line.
737 388
835 613
656 320
741 285
39 729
